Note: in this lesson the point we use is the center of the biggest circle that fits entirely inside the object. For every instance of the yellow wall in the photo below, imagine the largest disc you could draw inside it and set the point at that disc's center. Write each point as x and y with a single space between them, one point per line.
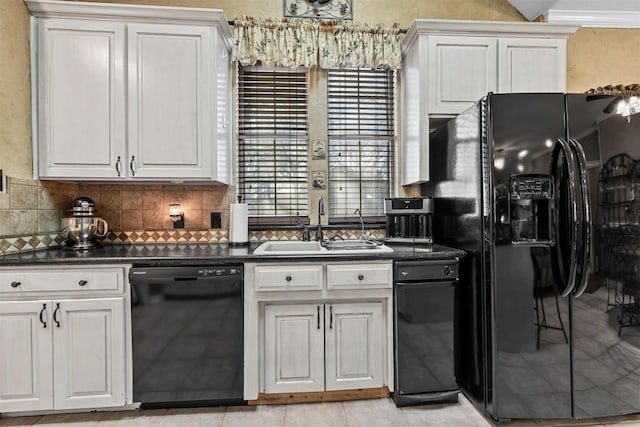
15 92
596 57
602 56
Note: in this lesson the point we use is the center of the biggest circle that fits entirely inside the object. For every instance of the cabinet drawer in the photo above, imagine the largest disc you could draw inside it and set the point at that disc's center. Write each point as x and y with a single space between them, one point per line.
288 277
357 276
61 280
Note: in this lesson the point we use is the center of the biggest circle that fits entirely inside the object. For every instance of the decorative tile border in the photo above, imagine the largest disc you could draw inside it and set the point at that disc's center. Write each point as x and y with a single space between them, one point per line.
351 234
13 245
166 236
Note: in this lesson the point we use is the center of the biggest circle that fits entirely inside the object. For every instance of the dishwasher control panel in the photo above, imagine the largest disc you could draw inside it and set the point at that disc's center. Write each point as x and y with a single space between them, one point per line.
424 271
167 273
218 271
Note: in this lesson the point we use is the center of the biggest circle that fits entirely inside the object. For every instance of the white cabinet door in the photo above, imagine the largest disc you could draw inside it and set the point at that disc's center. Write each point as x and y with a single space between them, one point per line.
25 356
80 98
532 65
89 353
222 115
355 346
170 75
461 71
294 348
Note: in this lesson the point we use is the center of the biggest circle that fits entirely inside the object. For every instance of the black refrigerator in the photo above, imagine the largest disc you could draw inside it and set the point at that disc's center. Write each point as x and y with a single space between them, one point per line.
540 189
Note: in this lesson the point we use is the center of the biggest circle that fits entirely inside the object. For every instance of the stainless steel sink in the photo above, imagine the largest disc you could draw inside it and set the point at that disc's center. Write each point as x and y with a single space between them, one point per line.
278 247
351 245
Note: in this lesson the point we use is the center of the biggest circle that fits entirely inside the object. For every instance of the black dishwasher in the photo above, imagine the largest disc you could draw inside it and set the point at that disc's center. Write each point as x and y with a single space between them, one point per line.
424 332
187 334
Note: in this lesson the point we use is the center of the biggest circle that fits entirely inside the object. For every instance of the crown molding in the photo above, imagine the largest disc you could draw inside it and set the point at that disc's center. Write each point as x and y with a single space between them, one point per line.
446 27
138 13
596 19
585 13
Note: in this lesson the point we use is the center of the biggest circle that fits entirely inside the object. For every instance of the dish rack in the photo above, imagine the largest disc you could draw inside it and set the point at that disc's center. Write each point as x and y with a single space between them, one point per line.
618 229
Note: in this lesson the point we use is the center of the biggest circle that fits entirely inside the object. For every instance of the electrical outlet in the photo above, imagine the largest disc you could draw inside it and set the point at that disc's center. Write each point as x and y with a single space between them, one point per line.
216 220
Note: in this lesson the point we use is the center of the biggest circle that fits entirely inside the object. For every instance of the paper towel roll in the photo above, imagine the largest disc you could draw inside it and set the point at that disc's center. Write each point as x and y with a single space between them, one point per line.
238 223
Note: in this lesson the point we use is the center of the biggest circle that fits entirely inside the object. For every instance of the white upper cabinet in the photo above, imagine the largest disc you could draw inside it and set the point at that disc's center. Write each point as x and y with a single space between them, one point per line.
222 155
80 98
169 101
532 65
130 92
449 65
461 71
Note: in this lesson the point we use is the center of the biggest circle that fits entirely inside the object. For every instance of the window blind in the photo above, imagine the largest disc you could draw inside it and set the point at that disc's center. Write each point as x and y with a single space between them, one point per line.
361 134
273 134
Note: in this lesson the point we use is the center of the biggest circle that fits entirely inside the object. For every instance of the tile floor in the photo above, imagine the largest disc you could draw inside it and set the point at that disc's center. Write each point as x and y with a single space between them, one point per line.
365 413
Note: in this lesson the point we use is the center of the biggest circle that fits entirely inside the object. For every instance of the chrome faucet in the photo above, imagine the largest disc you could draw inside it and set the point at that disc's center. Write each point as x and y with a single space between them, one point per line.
320 213
357 211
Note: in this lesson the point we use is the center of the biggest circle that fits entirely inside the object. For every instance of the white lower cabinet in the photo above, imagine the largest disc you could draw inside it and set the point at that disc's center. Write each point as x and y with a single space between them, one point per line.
62 350
26 356
317 326
316 347
88 353
294 348
354 346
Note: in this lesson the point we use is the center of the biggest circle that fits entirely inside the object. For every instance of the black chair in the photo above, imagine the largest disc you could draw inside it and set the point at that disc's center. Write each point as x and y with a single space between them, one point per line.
545 286
627 253
608 264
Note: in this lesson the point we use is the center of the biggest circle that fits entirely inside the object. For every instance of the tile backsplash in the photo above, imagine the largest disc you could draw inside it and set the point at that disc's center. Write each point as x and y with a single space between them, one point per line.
31 214
146 207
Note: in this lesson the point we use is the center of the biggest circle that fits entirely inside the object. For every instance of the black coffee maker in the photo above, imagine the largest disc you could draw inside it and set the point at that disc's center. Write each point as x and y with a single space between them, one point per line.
409 220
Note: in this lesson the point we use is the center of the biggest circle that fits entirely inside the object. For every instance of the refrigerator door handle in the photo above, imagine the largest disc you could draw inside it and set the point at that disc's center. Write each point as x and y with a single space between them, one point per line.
586 216
563 147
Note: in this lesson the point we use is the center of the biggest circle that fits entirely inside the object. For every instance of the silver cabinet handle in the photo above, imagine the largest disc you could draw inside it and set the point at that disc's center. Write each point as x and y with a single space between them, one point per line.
44 307
118 166
131 166
82 282
330 317
15 284
55 315
318 307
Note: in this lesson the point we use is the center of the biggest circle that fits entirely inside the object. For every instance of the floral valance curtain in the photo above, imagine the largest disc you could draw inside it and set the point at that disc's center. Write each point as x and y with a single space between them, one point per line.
327 44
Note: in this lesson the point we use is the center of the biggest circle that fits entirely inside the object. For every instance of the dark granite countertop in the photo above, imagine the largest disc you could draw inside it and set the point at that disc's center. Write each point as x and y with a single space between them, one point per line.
193 253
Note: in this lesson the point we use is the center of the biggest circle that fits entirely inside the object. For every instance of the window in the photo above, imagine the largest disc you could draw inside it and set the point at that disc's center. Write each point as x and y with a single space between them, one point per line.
361 132
273 134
